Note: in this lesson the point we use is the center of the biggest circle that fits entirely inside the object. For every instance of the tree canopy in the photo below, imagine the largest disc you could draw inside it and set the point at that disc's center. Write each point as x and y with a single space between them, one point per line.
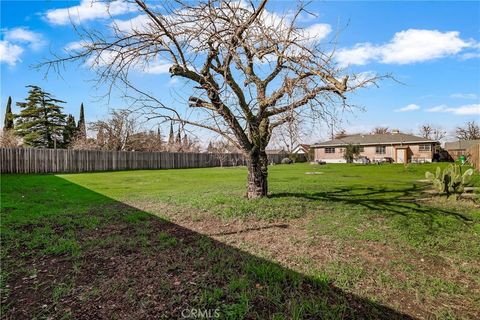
41 121
249 69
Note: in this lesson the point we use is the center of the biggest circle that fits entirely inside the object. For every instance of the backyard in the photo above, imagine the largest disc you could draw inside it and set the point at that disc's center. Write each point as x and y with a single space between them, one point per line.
331 242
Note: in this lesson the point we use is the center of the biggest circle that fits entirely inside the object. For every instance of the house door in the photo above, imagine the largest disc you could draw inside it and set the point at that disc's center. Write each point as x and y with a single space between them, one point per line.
400 155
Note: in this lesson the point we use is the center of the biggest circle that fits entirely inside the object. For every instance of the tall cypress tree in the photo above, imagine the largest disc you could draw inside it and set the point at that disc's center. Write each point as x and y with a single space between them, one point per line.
8 122
41 120
81 128
178 140
70 131
185 141
171 137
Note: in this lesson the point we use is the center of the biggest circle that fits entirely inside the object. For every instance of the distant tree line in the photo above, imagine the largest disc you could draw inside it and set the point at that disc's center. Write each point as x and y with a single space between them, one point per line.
120 131
41 123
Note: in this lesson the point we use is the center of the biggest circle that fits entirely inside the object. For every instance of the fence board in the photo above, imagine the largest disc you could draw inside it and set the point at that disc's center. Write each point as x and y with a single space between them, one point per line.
473 156
29 160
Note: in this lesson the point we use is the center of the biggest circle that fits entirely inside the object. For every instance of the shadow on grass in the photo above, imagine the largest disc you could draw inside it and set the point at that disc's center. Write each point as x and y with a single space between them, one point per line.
380 199
91 257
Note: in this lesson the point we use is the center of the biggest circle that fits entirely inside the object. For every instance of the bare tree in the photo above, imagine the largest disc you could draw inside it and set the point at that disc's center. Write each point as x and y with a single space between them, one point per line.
380 130
145 141
470 131
289 134
116 132
221 149
82 143
8 139
248 69
432 132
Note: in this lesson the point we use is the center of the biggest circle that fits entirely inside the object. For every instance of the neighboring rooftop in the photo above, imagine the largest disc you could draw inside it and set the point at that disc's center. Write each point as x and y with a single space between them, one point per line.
462 144
275 151
372 139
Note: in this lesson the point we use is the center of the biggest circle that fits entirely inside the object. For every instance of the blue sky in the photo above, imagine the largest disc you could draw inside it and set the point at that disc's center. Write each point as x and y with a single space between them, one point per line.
432 47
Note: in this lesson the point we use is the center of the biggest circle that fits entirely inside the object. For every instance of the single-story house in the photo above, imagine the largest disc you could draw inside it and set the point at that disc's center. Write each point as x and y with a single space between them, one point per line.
458 148
400 147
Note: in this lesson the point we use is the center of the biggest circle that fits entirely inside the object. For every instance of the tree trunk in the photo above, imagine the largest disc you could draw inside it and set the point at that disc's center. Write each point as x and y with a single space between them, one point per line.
257 183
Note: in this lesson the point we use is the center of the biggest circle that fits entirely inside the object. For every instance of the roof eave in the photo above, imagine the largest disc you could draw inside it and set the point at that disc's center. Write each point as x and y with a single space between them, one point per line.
372 143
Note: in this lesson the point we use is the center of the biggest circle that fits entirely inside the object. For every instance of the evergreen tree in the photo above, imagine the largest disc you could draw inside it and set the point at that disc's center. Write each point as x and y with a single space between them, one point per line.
185 141
41 120
81 128
69 132
8 122
171 138
178 139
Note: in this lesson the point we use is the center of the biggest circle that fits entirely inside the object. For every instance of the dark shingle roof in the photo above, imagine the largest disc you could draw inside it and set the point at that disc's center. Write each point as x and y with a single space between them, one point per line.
459 145
275 151
371 139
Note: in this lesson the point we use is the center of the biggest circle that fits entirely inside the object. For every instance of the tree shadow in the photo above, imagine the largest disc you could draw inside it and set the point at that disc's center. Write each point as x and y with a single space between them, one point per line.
402 202
245 230
87 256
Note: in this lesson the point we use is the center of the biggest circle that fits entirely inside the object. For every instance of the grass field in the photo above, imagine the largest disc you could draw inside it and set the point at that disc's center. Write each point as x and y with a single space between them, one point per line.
331 242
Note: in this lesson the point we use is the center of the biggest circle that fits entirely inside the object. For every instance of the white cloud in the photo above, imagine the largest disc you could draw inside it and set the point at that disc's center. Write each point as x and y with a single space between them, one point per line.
410 107
74 46
10 53
14 41
470 55
157 67
463 96
139 22
415 45
317 31
408 46
22 35
469 109
360 54
88 10
152 66
359 79
440 108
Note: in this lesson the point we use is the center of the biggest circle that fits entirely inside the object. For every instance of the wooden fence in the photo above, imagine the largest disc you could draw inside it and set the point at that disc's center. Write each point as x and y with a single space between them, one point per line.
23 160
473 156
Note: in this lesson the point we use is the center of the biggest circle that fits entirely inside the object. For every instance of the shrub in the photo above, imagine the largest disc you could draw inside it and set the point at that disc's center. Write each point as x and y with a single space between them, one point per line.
293 157
286 161
352 151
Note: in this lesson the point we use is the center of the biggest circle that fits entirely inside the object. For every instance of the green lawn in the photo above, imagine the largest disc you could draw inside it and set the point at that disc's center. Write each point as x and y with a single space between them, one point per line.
332 241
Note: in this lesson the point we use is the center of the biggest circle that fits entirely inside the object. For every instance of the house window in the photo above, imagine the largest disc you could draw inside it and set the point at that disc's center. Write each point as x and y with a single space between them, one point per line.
329 150
424 147
380 149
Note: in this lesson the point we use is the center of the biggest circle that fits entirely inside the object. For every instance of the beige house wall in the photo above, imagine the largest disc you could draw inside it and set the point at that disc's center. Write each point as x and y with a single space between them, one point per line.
413 153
